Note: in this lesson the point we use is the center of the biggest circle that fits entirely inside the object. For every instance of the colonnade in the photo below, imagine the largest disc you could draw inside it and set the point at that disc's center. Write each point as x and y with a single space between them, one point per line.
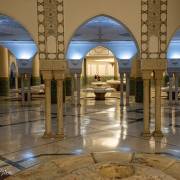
158 75
5 75
48 76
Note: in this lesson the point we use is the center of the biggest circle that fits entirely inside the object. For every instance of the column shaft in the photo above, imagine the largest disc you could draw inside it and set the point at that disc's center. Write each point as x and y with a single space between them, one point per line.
146 105
121 89
170 89
176 87
78 89
127 89
22 89
36 71
4 72
158 132
60 123
72 89
48 126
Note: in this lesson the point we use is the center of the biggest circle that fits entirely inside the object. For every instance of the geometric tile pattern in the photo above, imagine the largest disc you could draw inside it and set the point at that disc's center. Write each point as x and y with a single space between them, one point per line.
50 29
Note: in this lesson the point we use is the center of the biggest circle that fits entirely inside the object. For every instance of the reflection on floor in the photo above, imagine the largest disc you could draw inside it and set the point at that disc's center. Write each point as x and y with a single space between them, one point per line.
96 126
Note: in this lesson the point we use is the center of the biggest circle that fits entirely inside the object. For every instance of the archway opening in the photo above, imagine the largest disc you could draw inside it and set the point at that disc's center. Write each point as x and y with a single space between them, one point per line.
107 32
15 43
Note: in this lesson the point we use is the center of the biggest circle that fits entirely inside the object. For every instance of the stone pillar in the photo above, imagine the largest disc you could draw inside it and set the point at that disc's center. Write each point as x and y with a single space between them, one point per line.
47 76
85 72
78 89
158 79
139 90
127 88
16 81
170 88
121 89
22 89
29 89
72 88
36 80
146 102
4 72
115 70
59 77
176 87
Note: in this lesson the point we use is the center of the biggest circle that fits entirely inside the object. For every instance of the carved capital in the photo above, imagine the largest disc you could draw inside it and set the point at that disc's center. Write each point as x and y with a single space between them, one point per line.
146 74
53 65
158 74
47 75
59 75
153 64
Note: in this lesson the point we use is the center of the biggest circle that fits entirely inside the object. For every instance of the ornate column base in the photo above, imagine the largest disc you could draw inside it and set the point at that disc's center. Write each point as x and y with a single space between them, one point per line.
146 134
158 134
59 136
47 136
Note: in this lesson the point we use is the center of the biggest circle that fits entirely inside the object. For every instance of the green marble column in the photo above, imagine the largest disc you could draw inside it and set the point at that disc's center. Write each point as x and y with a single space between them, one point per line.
4 72
4 86
139 90
132 87
36 81
68 84
54 91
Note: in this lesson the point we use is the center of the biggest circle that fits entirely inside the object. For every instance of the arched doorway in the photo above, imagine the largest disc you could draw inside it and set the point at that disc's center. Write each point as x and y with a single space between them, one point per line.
103 31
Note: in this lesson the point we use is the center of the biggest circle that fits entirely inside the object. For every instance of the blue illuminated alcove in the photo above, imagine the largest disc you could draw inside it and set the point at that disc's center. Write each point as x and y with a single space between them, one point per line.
173 51
102 31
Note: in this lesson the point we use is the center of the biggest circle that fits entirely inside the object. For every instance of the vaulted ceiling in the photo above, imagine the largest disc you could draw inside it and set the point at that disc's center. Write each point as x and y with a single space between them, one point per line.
101 29
16 38
10 30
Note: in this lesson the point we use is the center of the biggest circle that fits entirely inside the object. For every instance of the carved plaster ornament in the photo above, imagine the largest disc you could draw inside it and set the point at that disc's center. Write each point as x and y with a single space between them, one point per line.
51 29
153 28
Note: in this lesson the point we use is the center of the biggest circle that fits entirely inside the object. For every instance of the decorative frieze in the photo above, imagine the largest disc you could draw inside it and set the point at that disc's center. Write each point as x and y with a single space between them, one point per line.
51 29
153 29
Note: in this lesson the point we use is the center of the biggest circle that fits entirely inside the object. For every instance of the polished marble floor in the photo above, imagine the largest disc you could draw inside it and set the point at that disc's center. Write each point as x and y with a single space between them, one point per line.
96 126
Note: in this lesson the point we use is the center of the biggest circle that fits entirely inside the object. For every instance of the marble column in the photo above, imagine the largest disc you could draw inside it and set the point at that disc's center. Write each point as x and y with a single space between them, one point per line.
146 103
22 89
170 89
29 89
121 89
36 80
4 72
85 72
158 81
127 88
47 76
78 89
72 88
176 87
60 121
16 82
115 70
